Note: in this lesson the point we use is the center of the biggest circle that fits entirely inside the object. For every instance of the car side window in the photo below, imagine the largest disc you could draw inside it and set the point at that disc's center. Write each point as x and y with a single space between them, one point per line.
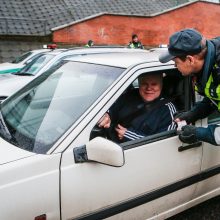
134 118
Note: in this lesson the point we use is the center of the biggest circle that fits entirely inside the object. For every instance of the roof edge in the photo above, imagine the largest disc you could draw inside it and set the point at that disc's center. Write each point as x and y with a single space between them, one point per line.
78 21
129 15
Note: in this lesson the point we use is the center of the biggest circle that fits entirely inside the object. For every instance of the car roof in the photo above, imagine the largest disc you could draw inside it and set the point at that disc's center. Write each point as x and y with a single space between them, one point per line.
40 50
118 57
82 50
56 51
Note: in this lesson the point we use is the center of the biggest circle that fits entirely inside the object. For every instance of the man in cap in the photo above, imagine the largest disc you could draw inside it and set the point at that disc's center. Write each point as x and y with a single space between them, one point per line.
194 55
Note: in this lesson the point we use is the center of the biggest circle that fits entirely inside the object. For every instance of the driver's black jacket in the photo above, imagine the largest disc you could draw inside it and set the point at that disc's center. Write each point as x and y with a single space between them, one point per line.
153 117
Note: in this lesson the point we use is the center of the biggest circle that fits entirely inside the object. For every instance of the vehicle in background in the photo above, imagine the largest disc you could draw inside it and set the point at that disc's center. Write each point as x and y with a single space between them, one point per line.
56 164
21 61
10 83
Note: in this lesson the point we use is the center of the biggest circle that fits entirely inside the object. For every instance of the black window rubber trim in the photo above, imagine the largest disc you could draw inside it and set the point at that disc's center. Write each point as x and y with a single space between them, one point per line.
149 139
148 197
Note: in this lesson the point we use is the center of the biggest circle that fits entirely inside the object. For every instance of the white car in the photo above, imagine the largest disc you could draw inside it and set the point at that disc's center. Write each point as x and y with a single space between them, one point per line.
51 168
21 61
12 82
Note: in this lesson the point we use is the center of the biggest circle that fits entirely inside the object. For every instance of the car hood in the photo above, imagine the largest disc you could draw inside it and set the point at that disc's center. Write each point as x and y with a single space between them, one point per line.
11 83
2 65
9 66
9 152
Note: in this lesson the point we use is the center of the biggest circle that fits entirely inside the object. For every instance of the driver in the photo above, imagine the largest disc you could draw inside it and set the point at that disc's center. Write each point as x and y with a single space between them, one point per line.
141 113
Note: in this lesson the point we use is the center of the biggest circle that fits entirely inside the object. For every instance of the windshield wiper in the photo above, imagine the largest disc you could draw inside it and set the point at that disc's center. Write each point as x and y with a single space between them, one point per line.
23 74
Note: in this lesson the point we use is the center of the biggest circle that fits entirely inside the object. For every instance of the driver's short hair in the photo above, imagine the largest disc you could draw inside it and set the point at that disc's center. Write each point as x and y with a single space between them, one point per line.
159 75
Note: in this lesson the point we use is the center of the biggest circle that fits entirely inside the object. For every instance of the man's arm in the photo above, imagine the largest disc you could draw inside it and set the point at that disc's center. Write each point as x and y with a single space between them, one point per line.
191 134
199 111
203 109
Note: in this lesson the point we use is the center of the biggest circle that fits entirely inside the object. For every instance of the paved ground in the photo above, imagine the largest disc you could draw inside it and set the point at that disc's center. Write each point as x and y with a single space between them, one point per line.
209 210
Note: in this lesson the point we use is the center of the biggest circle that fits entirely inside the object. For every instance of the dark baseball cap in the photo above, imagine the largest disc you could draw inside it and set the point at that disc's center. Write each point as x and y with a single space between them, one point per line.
182 43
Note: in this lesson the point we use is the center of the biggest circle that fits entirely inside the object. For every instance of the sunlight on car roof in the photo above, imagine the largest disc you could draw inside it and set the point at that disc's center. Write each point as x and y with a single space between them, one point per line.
119 59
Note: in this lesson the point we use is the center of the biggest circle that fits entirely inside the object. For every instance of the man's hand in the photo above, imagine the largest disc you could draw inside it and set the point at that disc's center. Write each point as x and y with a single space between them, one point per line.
183 116
188 134
104 121
120 131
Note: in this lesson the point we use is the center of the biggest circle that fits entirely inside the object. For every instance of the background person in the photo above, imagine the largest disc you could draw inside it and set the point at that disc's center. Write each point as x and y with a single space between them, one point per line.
135 43
89 44
196 56
141 113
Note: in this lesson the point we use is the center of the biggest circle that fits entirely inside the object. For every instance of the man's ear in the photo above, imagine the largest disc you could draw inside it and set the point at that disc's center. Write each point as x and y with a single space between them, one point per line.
191 59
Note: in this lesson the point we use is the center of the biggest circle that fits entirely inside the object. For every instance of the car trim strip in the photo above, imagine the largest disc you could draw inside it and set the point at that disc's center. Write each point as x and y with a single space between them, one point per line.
150 196
149 139
9 71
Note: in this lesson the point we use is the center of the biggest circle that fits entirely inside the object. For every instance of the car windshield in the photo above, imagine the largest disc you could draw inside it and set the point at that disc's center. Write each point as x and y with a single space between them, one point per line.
35 65
22 57
39 114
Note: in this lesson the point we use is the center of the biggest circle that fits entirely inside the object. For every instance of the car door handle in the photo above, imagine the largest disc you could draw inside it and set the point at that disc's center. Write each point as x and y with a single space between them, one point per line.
196 144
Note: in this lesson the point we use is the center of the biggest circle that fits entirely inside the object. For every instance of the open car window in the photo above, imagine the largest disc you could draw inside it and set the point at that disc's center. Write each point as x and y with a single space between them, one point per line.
174 97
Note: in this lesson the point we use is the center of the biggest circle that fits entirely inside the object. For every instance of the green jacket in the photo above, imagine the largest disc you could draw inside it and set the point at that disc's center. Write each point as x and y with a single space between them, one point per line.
135 45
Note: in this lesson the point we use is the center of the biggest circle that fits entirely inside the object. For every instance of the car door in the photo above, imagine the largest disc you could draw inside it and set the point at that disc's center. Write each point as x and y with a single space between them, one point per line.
155 179
210 168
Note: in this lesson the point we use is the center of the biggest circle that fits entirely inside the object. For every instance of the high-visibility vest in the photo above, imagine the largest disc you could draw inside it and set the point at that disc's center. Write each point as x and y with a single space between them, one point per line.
132 45
212 89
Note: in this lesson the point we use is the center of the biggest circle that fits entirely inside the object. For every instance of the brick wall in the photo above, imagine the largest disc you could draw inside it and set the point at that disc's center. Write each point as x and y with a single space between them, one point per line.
116 30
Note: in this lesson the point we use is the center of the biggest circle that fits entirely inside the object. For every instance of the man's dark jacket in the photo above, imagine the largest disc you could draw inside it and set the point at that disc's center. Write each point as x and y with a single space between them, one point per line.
206 106
152 117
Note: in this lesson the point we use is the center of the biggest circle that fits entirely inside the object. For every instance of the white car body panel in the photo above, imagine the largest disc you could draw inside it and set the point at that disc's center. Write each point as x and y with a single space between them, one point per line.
9 83
139 174
6 66
9 153
30 185
211 155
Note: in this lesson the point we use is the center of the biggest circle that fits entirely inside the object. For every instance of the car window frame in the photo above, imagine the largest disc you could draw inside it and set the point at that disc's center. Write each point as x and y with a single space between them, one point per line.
189 102
215 119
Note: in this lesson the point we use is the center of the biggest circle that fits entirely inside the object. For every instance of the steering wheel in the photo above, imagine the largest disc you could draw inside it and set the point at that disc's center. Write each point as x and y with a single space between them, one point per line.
98 132
108 133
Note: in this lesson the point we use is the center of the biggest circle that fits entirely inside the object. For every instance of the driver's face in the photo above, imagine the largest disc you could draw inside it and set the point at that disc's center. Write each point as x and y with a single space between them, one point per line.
150 87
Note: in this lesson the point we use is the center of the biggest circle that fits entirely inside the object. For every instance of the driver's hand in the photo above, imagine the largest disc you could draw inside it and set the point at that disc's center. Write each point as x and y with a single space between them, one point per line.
104 121
184 116
120 131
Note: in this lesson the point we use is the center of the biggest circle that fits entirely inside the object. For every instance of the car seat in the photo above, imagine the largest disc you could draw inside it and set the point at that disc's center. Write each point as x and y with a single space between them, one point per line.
173 88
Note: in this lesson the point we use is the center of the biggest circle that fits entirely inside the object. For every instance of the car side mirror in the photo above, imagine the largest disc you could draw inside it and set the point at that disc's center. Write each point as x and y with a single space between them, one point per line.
100 150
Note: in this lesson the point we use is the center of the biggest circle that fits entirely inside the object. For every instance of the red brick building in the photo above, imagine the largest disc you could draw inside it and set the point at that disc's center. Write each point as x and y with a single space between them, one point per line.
116 29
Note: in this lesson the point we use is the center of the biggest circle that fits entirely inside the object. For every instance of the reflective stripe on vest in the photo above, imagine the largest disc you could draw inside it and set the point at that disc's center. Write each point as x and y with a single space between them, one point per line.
212 91
132 45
